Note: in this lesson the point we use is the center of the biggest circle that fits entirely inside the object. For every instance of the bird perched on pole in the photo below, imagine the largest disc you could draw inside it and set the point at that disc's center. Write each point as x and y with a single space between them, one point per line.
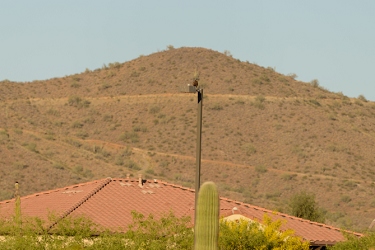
196 78
195 83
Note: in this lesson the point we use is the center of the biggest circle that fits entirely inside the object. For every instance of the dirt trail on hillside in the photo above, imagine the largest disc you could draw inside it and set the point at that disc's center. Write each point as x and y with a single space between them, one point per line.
152 98
185 157
225 163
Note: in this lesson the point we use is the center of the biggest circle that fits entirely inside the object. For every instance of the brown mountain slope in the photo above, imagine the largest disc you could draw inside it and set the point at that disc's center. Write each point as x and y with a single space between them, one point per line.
265 135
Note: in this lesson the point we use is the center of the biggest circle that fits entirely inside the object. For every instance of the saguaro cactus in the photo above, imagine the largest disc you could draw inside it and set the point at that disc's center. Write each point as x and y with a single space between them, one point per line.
17 208
207 218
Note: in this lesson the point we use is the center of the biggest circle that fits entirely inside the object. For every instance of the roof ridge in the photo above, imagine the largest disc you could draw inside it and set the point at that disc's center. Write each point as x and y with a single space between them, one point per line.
54 190
83 200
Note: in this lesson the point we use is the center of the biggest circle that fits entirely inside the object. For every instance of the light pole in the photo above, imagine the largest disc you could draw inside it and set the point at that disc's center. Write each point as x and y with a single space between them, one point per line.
199 145
199 91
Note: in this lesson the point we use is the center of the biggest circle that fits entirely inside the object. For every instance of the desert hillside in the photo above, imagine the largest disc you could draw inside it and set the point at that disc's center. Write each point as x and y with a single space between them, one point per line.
265 135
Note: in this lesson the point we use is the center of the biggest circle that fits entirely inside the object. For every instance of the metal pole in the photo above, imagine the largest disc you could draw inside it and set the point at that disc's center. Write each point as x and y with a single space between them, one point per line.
199 144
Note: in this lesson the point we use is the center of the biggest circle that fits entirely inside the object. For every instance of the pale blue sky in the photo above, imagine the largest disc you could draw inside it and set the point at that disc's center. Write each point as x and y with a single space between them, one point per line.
331 40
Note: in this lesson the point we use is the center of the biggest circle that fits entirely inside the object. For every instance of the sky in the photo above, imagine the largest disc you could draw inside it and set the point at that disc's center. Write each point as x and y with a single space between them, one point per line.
331 41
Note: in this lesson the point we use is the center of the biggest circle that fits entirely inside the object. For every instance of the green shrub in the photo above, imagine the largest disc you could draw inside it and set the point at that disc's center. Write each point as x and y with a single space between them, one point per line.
249 149
261 169
115 65
362 98
78 102
59 165
4 136
364 243
154 110
217 106
132 165
245 234
259 102
32 147
140 128
168 232
132 136
303 205
75 85
292 75
315 83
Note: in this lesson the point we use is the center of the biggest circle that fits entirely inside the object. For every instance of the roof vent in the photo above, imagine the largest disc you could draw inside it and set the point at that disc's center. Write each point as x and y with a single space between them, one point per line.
235 209
141 181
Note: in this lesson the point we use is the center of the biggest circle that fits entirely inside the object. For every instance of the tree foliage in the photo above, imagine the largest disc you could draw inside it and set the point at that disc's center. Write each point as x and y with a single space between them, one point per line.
145 232
245 234
353 242
168 232
303 205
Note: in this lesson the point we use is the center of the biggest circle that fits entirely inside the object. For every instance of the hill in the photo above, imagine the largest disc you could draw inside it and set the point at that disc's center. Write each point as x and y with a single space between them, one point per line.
265 136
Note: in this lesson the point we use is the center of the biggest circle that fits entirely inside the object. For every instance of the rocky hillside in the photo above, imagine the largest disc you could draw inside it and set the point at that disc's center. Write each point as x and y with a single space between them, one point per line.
265 136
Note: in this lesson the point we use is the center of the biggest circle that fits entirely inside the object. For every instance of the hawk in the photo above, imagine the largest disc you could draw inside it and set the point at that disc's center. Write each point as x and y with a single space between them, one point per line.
195 83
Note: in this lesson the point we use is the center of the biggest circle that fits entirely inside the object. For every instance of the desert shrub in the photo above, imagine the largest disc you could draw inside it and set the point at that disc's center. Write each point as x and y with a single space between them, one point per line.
119 161
107 118
31 146
126 152
135 74
170 47
315 102
259 102
4 136
261 169
115 65
292 75
129 136
77 124
75 85
227 53
74 142
82 134
59 165
217 106
257 81
78 102
249 149
104 86
315 83
345 199
132 165
154 110
140 128
245 234
303 205
53 112
150 171
362 98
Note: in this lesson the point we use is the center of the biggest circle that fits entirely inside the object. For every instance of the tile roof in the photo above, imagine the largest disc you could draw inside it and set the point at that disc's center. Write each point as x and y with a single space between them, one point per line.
108 202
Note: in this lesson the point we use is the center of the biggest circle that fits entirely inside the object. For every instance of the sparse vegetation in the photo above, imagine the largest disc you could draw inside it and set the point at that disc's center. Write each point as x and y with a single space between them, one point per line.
252 116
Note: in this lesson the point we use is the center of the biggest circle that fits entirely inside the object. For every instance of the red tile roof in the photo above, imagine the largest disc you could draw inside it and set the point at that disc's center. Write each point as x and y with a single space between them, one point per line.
109 202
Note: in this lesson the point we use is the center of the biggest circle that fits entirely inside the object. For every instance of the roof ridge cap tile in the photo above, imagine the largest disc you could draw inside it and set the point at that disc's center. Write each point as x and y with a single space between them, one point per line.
53 190
83 200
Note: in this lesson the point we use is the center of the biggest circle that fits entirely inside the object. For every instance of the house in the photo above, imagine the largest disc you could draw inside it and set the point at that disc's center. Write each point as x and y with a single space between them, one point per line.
109 202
